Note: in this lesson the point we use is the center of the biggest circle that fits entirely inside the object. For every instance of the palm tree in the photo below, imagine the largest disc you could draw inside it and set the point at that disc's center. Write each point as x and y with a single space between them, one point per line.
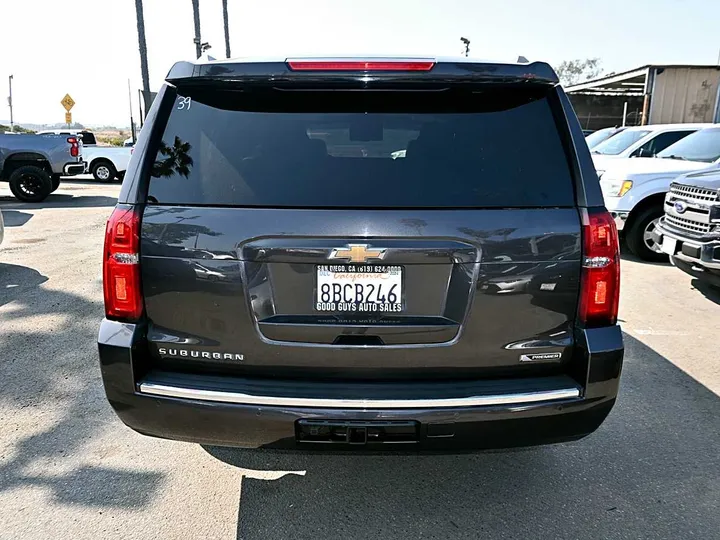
143 52
176 160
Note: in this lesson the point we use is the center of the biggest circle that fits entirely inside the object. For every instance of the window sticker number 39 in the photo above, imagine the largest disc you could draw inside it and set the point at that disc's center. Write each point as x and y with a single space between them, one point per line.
184 103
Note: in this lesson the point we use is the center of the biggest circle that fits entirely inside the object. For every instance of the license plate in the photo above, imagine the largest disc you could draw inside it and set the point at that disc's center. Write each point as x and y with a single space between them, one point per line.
347 288
668 245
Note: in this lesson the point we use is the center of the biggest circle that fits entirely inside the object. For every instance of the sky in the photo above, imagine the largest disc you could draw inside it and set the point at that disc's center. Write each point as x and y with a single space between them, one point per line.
90 49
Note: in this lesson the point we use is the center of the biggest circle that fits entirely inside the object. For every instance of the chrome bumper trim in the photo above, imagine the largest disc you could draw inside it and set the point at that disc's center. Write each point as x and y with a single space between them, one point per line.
269 401
707 249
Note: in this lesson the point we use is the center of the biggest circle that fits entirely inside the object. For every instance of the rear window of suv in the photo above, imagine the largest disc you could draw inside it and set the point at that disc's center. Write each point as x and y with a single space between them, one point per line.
361 149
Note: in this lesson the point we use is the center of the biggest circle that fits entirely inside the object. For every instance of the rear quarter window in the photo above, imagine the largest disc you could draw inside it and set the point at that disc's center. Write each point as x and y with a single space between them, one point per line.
358 149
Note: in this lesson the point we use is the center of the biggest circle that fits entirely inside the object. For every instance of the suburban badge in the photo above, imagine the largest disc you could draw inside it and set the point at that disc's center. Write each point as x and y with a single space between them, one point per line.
190 353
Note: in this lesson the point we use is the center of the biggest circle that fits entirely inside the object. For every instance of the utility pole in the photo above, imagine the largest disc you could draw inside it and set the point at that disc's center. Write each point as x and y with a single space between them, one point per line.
466 42
196 20
227 31
132 121
143 51
12 124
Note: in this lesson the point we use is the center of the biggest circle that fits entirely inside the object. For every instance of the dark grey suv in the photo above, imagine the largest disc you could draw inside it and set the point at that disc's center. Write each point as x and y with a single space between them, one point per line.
379 254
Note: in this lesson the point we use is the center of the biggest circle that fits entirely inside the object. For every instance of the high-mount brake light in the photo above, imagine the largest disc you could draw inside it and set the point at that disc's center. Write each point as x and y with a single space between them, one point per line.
600 282
360 65
121 266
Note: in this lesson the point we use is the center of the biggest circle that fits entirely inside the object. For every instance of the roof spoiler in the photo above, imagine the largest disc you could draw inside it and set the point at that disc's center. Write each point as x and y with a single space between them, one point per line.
279 72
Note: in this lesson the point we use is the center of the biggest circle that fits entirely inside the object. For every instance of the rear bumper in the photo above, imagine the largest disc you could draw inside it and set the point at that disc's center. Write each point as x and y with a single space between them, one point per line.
206 410
71 169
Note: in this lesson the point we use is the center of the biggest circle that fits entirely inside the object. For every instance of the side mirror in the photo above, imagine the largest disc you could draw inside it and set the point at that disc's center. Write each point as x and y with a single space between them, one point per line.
644 152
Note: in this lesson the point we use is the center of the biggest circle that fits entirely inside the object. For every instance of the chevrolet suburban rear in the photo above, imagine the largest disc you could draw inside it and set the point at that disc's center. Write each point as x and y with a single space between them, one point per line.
361 254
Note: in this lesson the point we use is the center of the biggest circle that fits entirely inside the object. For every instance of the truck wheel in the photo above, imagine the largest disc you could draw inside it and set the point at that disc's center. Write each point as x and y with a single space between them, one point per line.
55 182
30 184
103 171
642 236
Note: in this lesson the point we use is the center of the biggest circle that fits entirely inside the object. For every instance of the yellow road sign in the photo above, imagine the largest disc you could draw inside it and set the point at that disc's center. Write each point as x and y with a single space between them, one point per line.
68 118
67 102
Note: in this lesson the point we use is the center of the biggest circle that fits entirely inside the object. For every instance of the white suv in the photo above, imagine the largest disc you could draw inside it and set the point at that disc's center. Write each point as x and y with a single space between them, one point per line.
640 141
634 189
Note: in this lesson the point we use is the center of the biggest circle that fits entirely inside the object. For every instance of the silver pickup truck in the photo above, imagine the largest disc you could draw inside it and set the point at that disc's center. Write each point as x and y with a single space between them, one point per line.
690 230
33 164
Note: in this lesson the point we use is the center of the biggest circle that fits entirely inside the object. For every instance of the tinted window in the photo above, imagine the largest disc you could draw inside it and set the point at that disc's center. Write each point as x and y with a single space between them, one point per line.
660 142
619 143
702 145
87 137
361 150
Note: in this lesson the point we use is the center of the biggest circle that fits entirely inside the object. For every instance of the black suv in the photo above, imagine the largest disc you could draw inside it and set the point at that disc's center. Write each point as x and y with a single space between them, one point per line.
375 253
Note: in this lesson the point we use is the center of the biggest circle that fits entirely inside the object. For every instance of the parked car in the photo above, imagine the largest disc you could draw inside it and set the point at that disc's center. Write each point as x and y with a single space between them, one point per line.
596 137
690 230
331 293
33 164
640 142
2 228
105 163
634 189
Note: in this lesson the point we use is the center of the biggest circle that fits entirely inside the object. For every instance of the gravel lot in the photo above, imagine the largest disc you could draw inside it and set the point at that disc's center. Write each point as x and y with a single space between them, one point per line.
70 469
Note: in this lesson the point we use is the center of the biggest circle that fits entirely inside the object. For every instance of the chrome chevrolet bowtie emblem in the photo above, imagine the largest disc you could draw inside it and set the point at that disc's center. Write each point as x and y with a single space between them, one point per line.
359 253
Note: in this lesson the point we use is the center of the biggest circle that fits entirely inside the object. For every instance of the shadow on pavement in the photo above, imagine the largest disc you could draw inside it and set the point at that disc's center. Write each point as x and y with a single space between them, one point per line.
86 180
651 471
51 399
59 200
13 218
17 280
707 290
627 255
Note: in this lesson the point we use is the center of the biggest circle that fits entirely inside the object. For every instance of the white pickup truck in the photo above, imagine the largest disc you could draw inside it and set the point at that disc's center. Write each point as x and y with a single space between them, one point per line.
634 189
105 163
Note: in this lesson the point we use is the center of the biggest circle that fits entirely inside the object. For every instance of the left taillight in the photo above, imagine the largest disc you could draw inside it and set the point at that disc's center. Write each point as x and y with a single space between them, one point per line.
121 266
74 146
600 283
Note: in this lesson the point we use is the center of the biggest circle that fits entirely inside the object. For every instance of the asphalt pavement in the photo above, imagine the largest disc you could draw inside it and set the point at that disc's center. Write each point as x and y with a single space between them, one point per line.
70 469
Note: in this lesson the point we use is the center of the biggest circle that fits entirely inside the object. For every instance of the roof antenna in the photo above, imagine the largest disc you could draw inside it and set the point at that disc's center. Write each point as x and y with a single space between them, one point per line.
522 60
466 42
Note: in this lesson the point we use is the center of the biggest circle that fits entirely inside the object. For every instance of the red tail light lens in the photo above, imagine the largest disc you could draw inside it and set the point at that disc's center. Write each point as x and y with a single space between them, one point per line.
74 146
121 266
354 65
600 283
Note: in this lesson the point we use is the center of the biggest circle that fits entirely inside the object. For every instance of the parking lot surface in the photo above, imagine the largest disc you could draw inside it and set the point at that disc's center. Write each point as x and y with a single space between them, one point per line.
70 469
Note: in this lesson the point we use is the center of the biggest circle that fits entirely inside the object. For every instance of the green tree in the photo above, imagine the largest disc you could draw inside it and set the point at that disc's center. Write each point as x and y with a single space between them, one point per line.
576 71
18 129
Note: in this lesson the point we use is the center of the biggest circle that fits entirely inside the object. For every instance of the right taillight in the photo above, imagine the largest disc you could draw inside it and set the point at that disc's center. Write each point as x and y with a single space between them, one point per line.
121 265
74 146
600 282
